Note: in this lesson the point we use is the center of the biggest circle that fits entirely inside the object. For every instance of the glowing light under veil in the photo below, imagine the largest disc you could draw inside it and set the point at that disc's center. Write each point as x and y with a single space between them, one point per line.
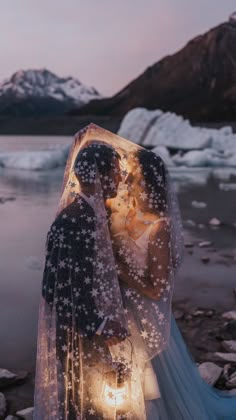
115 393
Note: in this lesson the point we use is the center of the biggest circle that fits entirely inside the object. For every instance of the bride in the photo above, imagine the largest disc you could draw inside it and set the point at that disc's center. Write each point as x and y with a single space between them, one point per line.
179 393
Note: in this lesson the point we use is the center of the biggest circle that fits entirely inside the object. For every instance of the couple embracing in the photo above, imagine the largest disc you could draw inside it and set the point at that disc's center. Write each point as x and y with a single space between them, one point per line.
108 346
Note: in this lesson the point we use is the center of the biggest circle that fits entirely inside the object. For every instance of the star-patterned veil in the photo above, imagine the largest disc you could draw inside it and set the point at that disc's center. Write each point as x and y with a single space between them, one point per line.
97 268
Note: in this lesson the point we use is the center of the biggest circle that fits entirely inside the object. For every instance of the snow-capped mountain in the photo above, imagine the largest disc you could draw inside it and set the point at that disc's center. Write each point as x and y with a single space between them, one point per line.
29 92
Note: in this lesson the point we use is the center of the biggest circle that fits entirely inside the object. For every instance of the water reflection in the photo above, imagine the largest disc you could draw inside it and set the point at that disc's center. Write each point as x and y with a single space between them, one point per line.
30 183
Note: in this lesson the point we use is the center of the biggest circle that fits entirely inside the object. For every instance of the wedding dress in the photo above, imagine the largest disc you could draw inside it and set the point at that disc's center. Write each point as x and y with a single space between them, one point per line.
179 392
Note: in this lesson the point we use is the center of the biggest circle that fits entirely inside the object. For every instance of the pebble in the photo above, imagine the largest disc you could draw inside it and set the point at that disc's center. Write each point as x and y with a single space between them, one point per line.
198 204
231 383
229 357
229 315
178 314
204 244
9 378
229 345
210 372
205 259
190 222
214 222
26 414
3 404
189 244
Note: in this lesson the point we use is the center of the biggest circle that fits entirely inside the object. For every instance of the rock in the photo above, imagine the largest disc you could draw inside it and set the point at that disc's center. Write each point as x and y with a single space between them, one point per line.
178 314
205 259
229 345
26 414
210 313
189 244
210 372
228 330
228 357
201 226
188 317
226 370
3 404
10 417
229 315
189 222
214 222
197 312
231 383
8 378
204 244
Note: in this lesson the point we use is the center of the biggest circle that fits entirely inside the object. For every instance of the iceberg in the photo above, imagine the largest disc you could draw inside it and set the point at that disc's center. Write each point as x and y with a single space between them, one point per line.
167 133
37 160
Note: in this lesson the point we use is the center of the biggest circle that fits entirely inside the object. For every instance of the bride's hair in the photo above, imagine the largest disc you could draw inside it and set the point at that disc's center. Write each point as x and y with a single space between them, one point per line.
154 173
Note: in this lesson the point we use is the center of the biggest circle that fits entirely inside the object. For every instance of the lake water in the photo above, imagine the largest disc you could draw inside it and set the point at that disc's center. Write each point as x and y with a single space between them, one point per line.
25 219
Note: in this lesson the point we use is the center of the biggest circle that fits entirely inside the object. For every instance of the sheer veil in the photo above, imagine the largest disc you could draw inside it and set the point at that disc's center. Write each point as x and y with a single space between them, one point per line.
84 245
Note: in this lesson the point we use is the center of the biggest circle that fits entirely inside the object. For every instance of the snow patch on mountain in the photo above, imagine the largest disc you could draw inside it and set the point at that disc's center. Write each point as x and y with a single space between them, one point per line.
45 84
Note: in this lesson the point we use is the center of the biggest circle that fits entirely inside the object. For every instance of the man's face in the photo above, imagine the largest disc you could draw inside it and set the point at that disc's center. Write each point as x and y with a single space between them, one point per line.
110 182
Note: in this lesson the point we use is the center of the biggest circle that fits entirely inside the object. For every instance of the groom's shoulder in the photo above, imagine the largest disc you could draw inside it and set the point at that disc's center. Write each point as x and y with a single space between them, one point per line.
78 214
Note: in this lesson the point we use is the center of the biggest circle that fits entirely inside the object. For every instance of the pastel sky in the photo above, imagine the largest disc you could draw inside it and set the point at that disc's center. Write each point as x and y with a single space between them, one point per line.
103 43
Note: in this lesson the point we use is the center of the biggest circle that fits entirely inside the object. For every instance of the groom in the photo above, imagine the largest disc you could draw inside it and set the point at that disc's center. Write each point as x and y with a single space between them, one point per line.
70 247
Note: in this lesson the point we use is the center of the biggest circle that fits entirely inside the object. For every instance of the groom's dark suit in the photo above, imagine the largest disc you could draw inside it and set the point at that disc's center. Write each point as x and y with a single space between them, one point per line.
68 273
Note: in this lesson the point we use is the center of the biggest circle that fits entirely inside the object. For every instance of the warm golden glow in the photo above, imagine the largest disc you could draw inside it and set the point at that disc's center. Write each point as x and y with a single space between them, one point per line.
115 397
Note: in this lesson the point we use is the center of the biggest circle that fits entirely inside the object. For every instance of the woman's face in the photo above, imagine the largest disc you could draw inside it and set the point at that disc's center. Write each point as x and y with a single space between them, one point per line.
110 182
135 182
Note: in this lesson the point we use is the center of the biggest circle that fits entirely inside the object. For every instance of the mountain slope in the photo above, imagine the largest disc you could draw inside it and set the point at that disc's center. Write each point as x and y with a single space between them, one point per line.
198 82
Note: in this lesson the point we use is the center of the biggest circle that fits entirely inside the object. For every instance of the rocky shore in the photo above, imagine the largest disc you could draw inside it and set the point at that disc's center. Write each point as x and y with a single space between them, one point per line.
209 335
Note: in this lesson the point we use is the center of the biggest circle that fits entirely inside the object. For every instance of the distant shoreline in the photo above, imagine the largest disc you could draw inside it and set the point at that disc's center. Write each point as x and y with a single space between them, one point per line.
69 125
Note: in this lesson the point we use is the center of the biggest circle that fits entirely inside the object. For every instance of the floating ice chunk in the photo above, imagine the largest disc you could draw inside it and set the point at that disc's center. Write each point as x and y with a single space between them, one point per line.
184 176
204 244
136 122
164 153
227 187
198 204
224 173
35 160
214 222
206 157
217 147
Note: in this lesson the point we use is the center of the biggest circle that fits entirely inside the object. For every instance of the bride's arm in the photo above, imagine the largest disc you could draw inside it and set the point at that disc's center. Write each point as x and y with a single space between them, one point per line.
152 282
159 264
